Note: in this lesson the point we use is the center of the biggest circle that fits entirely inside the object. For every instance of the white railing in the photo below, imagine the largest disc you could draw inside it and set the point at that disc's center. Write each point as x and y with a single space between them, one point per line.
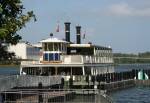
74 59
67 59
29 62
95 59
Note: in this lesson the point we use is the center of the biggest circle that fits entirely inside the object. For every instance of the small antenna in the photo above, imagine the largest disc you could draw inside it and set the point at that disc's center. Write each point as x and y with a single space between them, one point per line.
51 35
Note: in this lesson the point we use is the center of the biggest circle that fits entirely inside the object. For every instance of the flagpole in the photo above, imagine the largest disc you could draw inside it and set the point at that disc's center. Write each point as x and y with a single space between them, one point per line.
57 28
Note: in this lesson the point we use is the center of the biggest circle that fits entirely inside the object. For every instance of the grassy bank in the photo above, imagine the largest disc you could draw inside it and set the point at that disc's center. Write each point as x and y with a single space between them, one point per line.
9 65
130 60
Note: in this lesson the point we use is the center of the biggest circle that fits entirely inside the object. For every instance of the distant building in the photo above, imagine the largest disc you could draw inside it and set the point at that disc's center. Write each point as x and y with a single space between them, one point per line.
24 50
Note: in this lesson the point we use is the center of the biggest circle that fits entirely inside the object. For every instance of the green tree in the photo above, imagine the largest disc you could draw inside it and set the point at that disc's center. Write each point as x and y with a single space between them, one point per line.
12 19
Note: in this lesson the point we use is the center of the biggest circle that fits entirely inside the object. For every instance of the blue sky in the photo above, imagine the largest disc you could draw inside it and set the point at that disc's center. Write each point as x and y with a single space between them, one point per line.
122 24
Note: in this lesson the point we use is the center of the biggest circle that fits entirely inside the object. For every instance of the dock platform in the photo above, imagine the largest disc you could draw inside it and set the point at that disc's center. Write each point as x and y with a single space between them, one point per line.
55 96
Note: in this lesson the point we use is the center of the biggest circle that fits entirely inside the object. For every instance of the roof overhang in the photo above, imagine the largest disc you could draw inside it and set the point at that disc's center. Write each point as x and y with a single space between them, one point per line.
53 40
80 45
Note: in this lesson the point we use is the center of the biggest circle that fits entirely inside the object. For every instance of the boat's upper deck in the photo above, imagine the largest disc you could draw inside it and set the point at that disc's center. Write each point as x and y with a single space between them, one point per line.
64 52
73 60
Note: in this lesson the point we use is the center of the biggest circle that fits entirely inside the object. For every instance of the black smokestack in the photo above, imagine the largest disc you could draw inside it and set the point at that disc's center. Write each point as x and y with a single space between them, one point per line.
78 37
67 31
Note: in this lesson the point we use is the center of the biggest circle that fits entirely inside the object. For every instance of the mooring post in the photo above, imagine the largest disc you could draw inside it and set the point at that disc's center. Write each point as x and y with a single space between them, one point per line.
40 93
62 83
137 73
1 98
70 83
88 81
149 74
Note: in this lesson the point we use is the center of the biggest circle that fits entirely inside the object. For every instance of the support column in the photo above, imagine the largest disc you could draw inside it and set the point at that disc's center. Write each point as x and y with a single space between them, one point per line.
41 71
71 71
40 98
53 46
56 70
60 46
83 70
21 72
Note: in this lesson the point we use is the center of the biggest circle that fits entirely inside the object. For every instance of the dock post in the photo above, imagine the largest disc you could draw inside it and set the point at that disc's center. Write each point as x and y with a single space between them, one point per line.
62 83
1 98
70 83
40 99
88 81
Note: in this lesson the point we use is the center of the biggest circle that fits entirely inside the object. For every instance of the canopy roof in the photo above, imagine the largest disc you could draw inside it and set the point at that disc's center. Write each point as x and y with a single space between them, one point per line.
53 40
80 45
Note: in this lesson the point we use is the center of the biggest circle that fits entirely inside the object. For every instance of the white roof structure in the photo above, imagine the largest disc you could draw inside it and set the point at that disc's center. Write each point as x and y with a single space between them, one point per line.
39 45
53 40
80 45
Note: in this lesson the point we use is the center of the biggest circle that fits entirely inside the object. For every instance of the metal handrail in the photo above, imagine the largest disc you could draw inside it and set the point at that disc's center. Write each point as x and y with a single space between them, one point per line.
9 82
27 97
107 97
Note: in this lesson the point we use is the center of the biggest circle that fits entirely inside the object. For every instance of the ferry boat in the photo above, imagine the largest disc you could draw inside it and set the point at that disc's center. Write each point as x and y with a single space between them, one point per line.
68 59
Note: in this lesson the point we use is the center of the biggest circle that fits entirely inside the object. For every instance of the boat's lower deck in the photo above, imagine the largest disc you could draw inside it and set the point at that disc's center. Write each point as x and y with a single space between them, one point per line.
66 71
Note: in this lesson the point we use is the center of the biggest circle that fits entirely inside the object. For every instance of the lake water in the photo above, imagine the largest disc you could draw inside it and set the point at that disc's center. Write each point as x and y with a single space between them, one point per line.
132 95
9 70
127 67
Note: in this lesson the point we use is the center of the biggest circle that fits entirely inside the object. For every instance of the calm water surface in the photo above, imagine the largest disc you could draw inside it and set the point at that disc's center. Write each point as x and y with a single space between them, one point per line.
132 95
9 70
128 67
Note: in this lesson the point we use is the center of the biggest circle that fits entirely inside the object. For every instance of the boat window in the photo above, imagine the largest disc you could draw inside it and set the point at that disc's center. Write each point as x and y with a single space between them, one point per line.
77 71
45 56
56 47
87 71
64 71
51 56
50 47
45 46
57 56
59 46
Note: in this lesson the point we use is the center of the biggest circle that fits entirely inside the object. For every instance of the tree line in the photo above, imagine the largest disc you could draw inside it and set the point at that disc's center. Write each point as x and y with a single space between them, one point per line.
12 19
132 58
